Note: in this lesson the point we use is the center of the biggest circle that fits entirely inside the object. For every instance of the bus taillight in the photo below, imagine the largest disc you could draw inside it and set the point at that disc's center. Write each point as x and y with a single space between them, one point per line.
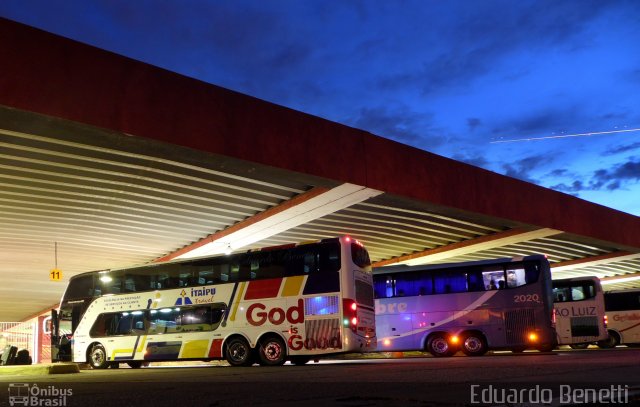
350 309
606 320
533 337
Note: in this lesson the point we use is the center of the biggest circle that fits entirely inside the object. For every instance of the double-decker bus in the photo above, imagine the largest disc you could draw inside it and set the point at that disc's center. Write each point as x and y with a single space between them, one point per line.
623 318
472 306
296 303
580 315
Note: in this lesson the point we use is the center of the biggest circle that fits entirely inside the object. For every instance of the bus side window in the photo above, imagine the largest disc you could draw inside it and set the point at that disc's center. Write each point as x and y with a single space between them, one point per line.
476 283
240 272
491 276
129 284
221 273
99 327
561 294
124 325
531 272
138 282
577 293
516 277
330 257
216 315
310 264
171 282
195 319
450 282
380 288
185 278
424 284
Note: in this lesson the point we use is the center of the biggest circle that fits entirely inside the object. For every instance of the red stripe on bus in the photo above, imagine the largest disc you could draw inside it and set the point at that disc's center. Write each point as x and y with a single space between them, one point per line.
629 327
263 289
216 348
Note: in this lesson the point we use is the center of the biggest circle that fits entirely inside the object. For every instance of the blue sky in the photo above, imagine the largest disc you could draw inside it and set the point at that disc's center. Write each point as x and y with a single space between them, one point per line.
450 77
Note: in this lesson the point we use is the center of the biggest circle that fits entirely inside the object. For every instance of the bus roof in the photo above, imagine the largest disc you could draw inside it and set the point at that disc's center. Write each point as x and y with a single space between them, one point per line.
403 267
178 261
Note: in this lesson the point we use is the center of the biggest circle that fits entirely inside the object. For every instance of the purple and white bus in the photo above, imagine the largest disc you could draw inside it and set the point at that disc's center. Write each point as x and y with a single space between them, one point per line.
472 306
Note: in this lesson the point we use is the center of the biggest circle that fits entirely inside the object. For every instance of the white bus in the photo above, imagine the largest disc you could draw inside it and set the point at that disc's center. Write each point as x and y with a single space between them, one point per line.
580 315
473 307
294 303
623 318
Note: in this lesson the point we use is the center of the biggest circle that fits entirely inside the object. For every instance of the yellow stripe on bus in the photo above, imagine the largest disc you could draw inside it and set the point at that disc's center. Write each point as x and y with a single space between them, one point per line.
127 351
195 349
292 286
141 347
239 295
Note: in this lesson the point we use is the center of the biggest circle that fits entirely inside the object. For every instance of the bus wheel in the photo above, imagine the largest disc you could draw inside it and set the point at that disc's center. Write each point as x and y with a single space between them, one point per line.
518 349
438 345
300 360
579 345
135 364
238 352
474 344
98 357
272 351
611 342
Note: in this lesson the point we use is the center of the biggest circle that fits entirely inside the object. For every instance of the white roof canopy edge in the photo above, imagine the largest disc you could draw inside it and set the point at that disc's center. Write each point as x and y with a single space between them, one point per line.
329 202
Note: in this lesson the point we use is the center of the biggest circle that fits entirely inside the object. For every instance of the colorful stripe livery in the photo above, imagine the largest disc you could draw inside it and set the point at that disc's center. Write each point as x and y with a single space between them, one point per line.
291 286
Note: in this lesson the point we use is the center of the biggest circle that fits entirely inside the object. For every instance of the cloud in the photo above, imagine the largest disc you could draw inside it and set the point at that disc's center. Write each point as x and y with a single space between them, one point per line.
479 41
399 124
629 171
623 148
573 188
521 169
473 122
559 172
537 123
604 179
477 160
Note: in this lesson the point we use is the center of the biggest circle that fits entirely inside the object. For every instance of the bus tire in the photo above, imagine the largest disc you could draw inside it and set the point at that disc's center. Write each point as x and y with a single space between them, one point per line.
579 345
474 344
439 346
135 364
272 351
611 342
300 360
98 357
238 352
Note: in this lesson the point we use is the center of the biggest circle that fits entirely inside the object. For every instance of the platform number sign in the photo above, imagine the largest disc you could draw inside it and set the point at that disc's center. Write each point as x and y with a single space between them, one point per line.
55 275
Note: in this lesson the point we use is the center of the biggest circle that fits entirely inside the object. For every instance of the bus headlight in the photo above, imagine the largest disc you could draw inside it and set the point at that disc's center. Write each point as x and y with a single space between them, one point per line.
533 337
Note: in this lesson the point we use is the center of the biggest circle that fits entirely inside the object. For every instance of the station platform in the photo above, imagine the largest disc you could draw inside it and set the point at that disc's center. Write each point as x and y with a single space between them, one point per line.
40 369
